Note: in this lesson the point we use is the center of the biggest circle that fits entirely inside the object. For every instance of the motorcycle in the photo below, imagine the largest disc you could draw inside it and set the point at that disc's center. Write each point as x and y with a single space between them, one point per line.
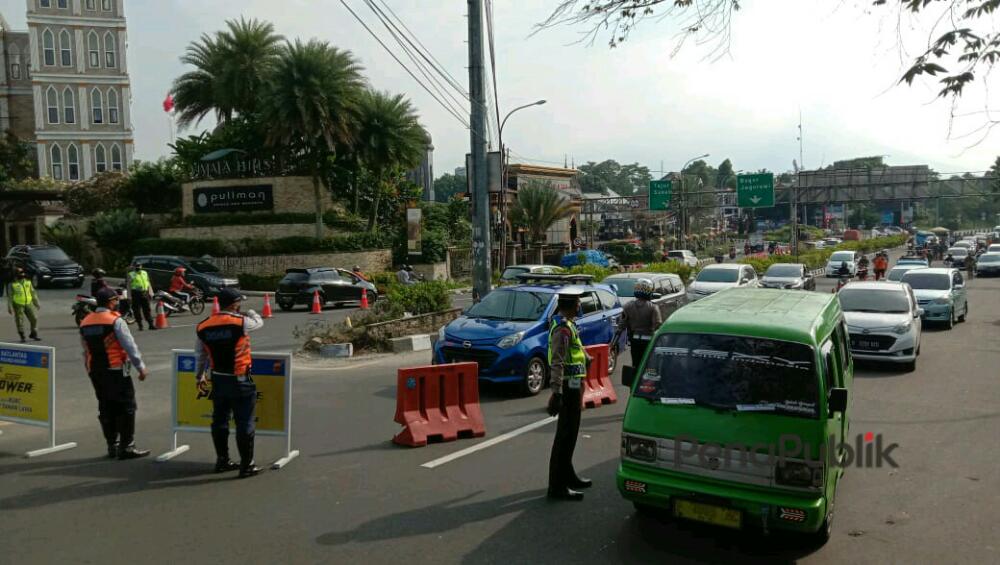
86 304
841 283
863 274
173 305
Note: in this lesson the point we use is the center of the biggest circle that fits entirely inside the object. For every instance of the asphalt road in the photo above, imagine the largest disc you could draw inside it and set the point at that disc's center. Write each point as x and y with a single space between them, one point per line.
353 497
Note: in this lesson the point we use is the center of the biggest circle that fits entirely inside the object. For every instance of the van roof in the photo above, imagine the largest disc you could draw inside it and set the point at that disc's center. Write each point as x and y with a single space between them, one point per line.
789 315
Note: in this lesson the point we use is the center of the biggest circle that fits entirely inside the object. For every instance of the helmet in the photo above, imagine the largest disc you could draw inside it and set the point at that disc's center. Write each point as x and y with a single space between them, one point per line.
98 273
180 271
356 268
643 289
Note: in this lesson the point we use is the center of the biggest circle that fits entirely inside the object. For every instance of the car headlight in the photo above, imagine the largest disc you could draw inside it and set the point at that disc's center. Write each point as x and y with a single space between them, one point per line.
942 300
441 333
901 328
795 474
638 448
510 341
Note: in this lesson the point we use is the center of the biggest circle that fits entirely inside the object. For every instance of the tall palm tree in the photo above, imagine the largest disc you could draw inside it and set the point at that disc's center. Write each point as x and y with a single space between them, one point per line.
537 207
311 103
389 139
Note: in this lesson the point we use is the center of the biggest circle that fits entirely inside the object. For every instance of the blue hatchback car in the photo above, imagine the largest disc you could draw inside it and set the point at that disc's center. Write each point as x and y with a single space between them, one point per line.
507 333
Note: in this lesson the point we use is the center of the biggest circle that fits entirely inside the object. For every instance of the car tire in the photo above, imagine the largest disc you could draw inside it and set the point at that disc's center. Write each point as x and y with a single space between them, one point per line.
612 359
951 319
536 375
286 306
820 537
965 313
910 367
35 281
78 284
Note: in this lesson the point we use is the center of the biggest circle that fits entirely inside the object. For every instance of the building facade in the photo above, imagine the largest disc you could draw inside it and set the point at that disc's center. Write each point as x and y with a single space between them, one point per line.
72 65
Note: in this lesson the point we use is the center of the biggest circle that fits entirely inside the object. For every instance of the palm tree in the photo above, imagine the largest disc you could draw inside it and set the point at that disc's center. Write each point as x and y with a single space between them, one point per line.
537 207
310 103
230 70
389 139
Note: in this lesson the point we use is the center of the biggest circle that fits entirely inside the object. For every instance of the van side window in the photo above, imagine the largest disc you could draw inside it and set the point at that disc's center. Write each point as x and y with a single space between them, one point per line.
843 351
831 365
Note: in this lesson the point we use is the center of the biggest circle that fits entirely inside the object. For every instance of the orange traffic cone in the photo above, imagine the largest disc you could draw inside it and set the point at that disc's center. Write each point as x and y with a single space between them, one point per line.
215 306
364 298
267 306
317 307
161 317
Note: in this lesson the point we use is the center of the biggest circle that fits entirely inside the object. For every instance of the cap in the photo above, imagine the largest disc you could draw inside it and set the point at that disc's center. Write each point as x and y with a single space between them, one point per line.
229 296
105 295
571 292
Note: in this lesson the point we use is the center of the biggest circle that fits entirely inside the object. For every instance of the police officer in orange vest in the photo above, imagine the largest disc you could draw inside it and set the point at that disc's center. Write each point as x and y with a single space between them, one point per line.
108 347
223 348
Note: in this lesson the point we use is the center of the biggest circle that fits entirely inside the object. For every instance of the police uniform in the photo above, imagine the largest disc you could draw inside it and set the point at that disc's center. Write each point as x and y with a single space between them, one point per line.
140 289
108 348
223 347
567 367
640 318
22 302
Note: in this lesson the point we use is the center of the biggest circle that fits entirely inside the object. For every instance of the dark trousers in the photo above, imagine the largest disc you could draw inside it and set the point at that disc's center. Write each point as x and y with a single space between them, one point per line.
234 397
561 472
115 405
140 308
638 349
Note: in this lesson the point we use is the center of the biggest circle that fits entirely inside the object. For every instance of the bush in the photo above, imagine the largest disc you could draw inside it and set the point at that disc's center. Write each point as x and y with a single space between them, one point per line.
116 234
331 219
421 298
70 240
675 267
599 273
268 283
287 245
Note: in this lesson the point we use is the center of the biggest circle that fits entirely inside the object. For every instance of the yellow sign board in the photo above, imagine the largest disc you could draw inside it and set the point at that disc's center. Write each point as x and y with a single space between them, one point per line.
25 378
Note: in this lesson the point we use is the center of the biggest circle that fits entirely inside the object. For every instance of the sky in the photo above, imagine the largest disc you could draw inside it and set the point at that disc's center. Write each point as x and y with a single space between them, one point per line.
834 62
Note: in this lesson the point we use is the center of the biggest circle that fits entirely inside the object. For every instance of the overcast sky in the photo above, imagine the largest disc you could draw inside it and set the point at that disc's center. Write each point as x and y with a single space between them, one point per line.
833 61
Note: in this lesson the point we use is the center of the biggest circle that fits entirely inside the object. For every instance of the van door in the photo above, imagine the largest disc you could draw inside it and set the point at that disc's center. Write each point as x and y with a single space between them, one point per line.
831 379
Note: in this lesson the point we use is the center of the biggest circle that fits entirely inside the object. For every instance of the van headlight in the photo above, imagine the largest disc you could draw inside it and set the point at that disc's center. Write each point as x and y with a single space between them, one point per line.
902 328
794 474
639 448
510 341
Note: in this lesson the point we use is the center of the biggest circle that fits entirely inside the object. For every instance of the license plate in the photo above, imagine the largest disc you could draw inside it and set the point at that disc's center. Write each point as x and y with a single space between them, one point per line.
864 344
707 513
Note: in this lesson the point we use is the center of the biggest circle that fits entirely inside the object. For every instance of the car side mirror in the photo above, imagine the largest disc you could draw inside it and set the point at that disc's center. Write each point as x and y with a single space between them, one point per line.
837 400
628 375
918 313
657 296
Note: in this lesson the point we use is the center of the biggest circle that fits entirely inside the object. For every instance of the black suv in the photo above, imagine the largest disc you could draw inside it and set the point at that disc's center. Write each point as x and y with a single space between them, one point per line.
46 265
200 272
333 285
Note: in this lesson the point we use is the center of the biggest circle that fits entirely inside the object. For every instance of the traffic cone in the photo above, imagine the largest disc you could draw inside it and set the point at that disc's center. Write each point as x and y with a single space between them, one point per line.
161 317
267 306
317 307
364 298
215 306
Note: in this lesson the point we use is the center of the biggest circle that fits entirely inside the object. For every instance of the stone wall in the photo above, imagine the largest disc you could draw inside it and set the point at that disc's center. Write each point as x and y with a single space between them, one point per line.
423 323
261 231
269 265
291 194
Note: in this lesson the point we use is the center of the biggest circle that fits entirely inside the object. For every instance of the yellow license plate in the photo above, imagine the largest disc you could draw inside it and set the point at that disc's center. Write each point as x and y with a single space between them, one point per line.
707 513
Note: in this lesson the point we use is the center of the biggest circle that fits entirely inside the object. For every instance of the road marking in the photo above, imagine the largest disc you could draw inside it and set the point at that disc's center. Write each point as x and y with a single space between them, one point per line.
488 443
344 368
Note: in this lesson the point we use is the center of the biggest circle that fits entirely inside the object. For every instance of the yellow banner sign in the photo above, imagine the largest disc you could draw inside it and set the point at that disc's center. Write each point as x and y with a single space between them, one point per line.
25 377
194 406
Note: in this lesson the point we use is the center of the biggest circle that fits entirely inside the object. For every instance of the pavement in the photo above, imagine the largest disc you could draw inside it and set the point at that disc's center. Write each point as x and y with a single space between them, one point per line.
354 497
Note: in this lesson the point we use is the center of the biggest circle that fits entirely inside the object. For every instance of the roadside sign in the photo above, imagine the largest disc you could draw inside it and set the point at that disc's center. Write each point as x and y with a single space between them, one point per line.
660 192
755 191
28 390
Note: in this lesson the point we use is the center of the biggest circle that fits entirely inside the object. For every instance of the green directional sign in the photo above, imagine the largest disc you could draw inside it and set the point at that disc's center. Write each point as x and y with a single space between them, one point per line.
660 192
755 191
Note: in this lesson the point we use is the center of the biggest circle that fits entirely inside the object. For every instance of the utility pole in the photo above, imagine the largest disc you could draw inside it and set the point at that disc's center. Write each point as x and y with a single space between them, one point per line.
793 197
482 273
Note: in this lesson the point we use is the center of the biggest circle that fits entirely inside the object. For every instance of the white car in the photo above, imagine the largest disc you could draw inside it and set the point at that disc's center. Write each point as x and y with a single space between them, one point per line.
840 257
896 273
994 248
684 256
883 320
720 276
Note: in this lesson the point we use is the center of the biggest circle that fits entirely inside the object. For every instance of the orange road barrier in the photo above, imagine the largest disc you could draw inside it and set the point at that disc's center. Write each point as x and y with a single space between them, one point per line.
438 403
597 387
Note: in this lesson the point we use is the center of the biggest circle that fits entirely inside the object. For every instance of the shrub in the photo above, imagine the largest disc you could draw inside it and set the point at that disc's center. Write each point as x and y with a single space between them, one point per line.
116 233
287 245
70 240
599 273
421 298
675 267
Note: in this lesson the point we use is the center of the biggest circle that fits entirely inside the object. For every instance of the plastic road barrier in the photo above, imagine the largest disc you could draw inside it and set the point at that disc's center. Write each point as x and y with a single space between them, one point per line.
597 387
28 390
438 403
192 408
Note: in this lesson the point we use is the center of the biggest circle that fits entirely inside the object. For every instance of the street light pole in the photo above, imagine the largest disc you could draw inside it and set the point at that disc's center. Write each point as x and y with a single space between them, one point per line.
502 203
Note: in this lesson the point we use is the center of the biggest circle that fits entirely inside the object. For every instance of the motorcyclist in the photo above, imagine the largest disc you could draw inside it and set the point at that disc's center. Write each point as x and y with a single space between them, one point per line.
97 281
949 260
881 264
843 270
863 267
180 288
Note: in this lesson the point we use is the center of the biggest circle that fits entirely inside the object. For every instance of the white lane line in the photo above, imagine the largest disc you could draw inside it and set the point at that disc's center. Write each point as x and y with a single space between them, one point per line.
488 443
343 368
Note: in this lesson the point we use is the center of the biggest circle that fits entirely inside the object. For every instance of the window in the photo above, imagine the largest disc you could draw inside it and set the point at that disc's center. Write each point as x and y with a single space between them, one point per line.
94 49
49 47
65 49
116 158
97 103
45 3
101 159
52 102
15 71
112 106
91 4
110 51
830 365
73 158
589 304
608 300
57 164
69 106
106 5
62 4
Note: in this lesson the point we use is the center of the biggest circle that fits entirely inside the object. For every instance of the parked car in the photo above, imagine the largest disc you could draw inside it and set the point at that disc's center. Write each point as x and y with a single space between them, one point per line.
335 286
668 290
46 265
988 264
940 293
589 257
794 276
840 257
896 273
883 320
202 273
507 332
684 256
720 276
510 274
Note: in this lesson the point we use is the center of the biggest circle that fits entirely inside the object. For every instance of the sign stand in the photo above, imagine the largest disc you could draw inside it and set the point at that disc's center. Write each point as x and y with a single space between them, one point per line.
195 419
27 367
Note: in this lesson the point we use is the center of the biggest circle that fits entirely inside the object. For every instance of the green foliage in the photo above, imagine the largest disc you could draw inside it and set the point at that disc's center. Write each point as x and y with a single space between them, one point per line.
18 159
784 234
537 207
675 267
155 188
599 273
69 239
448 185
609 175
104 191
331 218
818 258
421 298
116 233
288 245
628 253
267 283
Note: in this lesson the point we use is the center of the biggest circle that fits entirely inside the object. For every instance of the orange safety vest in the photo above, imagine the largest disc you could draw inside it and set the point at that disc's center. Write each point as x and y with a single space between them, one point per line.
100 342
227 343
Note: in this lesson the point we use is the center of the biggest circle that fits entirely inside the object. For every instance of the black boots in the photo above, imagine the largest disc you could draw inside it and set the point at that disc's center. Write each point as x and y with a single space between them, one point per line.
220 438
580 483
126 444
565 494
110 432
244 443
34 336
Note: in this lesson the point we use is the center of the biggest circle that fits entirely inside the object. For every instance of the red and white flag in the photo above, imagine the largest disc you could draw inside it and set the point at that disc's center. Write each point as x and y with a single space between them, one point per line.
168 103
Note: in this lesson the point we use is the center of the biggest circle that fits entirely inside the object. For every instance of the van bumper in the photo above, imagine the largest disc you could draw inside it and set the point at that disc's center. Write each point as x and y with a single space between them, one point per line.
759 508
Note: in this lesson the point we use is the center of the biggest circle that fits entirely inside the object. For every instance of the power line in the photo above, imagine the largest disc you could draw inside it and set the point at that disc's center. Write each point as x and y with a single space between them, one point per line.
425 52
493 64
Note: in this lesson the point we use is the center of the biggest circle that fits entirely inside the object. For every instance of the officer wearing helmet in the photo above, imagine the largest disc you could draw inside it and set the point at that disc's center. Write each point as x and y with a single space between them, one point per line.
640 319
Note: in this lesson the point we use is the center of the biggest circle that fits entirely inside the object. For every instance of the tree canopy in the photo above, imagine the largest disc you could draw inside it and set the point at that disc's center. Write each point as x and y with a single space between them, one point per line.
610 176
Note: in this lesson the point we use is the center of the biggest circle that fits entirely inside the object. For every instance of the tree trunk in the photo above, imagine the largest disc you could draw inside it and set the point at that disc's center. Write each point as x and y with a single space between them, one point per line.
373 216
319 206
357 192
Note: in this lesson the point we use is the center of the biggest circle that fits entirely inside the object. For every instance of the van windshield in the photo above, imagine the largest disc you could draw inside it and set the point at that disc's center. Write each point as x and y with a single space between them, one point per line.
732 373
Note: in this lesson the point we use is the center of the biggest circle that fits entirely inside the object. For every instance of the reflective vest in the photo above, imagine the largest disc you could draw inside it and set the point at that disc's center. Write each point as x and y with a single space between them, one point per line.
140 280
103 351
227 343
21 292
575 364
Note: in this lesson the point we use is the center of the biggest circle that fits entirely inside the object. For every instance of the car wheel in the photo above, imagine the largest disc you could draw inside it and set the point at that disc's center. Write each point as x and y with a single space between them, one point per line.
35 281
286 306
910 367
964 313
822 535
78 284
612 359
534 380
951 319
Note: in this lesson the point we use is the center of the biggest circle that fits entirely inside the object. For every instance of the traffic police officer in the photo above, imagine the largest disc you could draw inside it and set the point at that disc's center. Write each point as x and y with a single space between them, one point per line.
22 303
108 347
141 290
641 318
223 347
568 363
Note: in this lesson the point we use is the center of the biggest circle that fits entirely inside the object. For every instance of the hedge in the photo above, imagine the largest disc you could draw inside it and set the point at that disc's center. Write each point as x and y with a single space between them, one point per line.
287 245
330 219
817 258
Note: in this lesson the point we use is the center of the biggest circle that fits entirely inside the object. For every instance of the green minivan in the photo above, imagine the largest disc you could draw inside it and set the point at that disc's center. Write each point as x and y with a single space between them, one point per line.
739 412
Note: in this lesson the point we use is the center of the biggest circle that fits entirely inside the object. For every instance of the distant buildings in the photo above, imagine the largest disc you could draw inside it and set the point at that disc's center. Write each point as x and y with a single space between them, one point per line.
423 174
